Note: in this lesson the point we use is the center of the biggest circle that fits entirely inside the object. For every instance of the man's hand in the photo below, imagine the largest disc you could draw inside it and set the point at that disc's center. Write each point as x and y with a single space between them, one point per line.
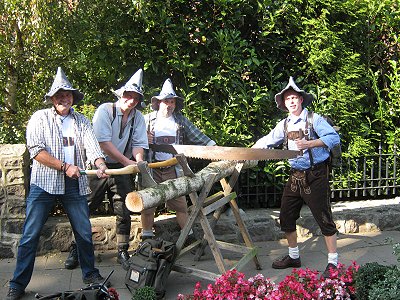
101 171
131 162
72 171
302 144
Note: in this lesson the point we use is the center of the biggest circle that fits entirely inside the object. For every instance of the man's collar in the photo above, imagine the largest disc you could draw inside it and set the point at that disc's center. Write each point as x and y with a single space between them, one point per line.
303 116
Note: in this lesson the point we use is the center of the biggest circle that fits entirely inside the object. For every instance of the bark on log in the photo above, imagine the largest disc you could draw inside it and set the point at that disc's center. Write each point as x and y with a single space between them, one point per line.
173 188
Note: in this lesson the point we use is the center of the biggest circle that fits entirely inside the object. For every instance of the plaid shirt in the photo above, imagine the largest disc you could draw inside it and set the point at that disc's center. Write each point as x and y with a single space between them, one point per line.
44 132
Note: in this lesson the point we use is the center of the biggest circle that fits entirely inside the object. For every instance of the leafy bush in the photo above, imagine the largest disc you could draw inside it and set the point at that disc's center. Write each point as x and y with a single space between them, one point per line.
367 276
388 288
145 293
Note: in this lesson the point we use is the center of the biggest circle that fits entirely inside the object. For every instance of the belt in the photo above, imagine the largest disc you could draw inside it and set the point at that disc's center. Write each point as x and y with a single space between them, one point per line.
314 167
165 139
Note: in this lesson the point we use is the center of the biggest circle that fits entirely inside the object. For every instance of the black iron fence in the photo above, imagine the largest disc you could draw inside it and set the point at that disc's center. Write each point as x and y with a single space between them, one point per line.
367 177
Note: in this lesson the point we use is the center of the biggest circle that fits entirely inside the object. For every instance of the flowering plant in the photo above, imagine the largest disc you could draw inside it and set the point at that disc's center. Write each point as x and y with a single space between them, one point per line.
300 284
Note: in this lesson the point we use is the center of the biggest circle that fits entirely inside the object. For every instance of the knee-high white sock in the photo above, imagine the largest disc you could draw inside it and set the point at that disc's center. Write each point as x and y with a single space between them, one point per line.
294 252
333 258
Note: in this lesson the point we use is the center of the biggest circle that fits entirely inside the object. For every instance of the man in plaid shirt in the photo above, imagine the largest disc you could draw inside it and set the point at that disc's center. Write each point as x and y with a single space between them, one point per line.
167 125
60 141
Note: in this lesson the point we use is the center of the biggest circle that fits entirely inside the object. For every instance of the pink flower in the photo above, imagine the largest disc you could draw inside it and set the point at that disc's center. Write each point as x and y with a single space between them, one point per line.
300 284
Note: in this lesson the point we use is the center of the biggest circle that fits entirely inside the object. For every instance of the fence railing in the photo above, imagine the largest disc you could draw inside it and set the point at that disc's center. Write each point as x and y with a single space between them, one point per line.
367 177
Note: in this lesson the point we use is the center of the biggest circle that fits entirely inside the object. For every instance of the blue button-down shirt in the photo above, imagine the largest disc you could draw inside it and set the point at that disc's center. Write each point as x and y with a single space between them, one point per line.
322 130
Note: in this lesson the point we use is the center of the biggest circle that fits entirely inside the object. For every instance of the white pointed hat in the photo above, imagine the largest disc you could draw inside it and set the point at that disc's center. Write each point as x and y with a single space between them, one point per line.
134 84
61 82
280 102
167 91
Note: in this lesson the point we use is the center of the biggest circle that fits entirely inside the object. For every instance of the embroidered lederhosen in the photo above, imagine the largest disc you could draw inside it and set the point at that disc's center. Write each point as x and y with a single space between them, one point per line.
299 178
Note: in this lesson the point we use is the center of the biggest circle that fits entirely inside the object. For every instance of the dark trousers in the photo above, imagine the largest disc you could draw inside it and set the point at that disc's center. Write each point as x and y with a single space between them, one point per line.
312 188
119 186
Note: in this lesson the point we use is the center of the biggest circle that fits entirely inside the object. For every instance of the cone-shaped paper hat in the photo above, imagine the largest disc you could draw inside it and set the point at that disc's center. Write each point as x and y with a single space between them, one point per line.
167 91
61 82
133 85
280 103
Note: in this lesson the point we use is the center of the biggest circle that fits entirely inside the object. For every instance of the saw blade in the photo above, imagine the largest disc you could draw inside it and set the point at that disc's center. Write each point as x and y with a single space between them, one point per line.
225 153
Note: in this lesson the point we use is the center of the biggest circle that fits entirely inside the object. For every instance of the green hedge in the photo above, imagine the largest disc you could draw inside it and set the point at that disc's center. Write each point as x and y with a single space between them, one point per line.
227 58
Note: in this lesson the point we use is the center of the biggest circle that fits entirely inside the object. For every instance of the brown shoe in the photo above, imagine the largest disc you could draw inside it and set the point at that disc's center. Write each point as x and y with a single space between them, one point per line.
286 262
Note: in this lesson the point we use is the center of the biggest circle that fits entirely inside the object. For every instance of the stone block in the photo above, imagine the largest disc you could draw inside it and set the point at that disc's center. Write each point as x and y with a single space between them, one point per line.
13 226
16 190
391 220
261 233
14 176
2 193
15 208
225 227
13 149
6 251
55 238
351 226
12 162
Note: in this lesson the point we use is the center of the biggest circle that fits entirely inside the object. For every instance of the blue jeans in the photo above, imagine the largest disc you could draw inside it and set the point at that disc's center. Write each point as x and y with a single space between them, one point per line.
38 206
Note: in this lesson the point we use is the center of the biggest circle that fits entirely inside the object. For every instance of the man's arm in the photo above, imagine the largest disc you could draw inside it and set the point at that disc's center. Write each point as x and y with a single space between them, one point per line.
71 171
304 144
48 160
193 135
138 153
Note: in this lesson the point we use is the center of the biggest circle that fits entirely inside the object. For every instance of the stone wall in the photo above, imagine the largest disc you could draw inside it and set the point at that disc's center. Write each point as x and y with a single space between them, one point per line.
14 167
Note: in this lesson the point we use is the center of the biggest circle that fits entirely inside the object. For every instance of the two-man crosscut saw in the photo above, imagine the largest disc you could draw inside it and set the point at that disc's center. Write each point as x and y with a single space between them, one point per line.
225 153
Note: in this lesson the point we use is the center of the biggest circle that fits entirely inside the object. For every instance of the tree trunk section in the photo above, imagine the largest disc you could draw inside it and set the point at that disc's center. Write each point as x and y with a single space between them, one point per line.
173 188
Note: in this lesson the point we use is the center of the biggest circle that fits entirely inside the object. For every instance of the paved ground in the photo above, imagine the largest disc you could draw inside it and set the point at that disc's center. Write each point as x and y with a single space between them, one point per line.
49 275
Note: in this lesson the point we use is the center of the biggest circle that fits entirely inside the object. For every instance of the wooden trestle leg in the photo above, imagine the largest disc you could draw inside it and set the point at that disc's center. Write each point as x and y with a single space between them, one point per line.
204 205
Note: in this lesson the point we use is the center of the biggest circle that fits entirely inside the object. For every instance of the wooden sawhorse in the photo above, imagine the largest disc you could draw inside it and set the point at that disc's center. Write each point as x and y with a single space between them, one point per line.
204 205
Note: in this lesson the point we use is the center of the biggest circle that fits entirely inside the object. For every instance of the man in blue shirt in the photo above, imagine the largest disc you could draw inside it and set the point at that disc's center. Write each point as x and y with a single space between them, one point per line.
309 174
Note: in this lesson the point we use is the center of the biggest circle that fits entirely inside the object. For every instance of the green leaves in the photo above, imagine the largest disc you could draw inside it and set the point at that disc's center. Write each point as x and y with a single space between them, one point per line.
227 58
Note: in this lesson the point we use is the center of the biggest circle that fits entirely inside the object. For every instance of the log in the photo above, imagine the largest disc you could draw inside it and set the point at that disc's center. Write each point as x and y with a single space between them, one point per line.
174 188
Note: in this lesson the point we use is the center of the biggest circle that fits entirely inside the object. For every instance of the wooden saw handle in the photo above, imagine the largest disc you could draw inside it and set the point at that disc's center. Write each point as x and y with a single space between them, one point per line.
131 169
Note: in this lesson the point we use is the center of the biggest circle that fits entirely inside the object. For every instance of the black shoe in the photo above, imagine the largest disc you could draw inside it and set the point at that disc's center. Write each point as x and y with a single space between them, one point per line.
286 262
96 278
72 261
14 294
328 270
123 256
